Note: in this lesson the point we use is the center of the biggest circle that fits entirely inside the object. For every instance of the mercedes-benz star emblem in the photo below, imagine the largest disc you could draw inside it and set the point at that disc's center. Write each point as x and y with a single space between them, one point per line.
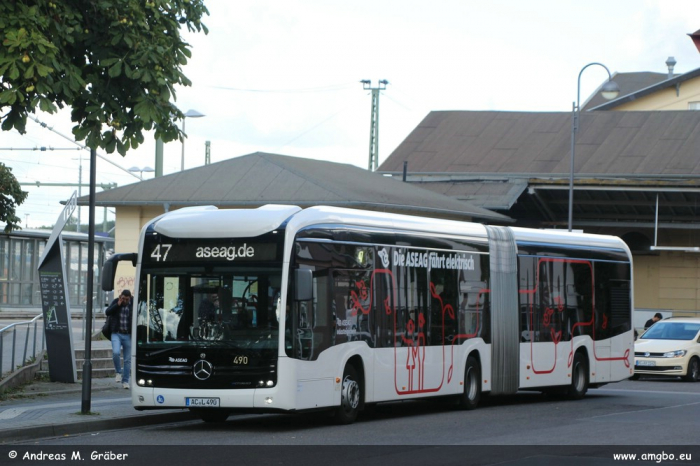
202 369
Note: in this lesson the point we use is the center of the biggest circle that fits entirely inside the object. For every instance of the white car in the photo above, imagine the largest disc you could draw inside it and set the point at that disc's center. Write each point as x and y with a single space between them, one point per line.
670 347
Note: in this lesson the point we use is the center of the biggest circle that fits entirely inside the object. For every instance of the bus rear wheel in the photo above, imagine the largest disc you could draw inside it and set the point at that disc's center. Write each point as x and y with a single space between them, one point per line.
211 415
579 378
472 385
350 396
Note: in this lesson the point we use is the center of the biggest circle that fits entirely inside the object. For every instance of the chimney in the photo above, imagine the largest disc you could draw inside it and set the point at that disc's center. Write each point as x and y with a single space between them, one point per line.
671 62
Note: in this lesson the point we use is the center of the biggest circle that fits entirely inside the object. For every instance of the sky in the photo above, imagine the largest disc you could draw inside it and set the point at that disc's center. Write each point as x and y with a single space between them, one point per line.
283 76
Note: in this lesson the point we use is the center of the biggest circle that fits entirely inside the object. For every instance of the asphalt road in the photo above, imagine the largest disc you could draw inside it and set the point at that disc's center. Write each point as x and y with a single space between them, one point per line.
645 412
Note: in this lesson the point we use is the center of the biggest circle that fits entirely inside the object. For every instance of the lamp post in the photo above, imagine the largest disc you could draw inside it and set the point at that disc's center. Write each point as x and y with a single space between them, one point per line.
189 114
609 91
141 170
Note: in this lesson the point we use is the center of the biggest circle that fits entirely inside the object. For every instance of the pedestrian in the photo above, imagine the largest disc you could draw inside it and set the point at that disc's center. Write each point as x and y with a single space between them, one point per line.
657 317
120 312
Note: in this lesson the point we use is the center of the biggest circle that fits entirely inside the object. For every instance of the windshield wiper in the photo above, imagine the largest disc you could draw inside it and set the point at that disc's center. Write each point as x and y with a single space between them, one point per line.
164 350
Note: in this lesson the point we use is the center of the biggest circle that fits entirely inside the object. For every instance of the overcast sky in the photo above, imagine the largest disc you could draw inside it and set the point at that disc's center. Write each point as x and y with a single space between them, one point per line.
283 77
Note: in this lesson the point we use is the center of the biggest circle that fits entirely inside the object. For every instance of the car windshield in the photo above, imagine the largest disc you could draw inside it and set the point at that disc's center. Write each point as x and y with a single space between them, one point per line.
672 331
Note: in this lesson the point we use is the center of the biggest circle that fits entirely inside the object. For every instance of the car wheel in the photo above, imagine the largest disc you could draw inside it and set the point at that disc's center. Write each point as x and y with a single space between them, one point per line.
472 385
350 396
579 378
693 373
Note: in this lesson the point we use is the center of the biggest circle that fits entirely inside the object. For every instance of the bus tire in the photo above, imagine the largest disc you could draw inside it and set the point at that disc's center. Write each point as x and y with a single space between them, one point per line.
350 397
579 377
211 415
693 373
472 385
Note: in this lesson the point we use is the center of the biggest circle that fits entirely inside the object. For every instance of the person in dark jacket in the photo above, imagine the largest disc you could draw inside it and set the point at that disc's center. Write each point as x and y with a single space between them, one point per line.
657 317
120 312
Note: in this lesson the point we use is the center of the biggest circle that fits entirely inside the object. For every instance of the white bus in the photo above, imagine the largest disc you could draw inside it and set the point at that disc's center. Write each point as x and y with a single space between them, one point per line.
279 309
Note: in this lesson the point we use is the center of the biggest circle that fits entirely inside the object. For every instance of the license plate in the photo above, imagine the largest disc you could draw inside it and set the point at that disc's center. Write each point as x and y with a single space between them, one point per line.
645 363
202 402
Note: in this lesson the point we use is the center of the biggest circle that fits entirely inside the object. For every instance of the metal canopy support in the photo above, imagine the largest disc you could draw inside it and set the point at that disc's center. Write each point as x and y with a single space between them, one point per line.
656 237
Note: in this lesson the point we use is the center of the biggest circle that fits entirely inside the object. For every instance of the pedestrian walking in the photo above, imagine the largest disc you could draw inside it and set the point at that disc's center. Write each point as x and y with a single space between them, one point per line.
119 313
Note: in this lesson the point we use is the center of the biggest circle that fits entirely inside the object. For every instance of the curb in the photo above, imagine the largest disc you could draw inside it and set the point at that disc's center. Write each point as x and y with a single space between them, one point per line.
60 430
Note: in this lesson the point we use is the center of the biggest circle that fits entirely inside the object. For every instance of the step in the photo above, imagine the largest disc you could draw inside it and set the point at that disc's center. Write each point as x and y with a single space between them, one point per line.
99 353
97 372
100 359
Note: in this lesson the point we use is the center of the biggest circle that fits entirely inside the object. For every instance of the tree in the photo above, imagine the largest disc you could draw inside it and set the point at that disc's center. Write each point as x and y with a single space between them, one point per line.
116 63
11 195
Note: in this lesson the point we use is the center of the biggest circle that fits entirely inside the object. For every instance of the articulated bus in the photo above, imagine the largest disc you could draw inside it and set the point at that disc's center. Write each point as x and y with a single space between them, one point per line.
283 309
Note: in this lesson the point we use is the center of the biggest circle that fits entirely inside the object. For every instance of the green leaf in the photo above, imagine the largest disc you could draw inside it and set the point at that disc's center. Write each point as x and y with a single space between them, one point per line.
29 72
46 105
14 72
43 70
115 70
5 97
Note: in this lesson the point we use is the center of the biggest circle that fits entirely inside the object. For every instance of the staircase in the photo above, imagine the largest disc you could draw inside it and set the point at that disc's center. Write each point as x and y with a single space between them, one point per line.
100 358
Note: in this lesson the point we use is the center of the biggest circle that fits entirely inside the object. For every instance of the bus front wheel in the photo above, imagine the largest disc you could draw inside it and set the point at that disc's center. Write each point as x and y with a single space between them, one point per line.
472 385
350 396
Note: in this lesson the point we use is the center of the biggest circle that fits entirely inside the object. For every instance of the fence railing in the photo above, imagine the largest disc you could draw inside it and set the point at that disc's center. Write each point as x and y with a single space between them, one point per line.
18 344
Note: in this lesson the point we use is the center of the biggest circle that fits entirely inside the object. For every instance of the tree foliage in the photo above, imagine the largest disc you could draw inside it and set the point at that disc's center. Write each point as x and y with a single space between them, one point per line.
115 63
11 195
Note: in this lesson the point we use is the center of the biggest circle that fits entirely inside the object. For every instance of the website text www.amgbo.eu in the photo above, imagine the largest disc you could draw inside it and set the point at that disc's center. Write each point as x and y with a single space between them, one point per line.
655 457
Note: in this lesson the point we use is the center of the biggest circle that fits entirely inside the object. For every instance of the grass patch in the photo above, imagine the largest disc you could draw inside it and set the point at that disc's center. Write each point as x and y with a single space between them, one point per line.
14 392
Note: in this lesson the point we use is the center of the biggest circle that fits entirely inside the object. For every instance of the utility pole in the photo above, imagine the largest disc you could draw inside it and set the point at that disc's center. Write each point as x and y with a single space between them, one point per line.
374 123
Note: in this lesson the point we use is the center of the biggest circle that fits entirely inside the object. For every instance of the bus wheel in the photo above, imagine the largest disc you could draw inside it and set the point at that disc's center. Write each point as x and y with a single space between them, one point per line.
211 415
693 373
579 378
472 385
350 396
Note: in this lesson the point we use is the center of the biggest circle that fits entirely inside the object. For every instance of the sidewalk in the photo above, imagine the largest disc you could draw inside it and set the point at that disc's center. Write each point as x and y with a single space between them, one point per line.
52 409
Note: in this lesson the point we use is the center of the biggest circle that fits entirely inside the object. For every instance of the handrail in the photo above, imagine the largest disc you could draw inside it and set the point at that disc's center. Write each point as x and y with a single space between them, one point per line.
12 328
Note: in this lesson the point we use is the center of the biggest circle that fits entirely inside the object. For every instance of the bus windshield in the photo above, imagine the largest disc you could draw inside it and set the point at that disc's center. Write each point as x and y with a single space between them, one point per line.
227 307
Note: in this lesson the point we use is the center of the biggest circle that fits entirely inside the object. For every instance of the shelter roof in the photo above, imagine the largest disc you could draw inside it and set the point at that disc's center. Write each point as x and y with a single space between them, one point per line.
261 178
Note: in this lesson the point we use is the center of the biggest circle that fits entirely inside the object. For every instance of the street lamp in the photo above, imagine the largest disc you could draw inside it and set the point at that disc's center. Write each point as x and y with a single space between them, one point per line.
609 91
189 114
141 170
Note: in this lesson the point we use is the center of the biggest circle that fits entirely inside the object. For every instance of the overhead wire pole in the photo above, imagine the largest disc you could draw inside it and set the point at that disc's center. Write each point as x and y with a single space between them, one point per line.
374 123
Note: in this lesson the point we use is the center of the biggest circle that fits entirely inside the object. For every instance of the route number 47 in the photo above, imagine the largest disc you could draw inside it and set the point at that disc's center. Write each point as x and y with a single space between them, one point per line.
160 252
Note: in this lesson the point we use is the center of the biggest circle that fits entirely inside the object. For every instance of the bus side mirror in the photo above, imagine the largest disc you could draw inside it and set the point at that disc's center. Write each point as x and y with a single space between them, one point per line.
303 285
109 269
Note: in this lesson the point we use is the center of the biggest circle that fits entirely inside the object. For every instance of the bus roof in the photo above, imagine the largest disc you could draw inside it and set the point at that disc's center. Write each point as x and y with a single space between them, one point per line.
211 222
